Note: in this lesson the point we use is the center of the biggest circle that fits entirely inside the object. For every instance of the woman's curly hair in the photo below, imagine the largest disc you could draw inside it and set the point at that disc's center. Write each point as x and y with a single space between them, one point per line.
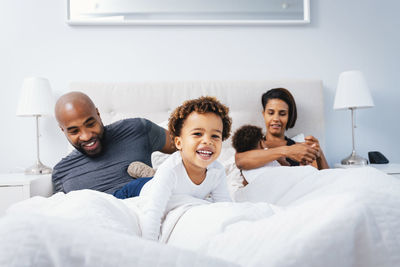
247 138
204 104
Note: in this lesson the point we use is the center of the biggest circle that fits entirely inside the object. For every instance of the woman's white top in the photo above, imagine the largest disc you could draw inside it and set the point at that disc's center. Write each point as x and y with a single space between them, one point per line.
170 179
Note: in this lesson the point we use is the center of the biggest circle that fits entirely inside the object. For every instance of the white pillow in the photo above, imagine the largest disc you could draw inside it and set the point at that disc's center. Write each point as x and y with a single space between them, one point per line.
157 158
163 124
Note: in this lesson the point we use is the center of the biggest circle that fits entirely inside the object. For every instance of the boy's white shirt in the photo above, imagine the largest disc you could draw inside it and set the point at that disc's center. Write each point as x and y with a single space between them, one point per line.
171 179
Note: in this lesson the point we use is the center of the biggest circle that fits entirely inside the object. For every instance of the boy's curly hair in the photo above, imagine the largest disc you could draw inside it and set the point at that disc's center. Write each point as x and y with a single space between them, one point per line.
247 138
204 104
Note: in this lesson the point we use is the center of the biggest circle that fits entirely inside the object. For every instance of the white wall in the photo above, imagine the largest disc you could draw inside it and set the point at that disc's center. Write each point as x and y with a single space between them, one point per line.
343 35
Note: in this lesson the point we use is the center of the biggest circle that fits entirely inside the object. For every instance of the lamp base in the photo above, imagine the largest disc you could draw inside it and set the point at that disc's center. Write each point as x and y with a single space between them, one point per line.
38 168
354 159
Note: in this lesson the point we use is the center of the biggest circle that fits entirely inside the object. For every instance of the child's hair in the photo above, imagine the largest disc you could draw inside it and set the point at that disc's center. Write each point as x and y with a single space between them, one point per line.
284 95
204 104
247 138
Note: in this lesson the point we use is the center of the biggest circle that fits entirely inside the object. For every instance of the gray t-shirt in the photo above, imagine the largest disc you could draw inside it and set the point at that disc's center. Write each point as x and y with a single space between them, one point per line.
124 141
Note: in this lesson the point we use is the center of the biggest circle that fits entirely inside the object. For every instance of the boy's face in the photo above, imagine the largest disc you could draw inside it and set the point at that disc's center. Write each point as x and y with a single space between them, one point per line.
200 141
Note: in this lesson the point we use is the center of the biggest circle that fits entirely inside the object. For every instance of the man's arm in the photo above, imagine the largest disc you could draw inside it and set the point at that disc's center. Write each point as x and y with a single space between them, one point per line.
169 146
159 138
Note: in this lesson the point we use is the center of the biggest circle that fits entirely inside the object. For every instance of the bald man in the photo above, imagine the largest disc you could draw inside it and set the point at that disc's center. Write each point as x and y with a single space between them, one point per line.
103 153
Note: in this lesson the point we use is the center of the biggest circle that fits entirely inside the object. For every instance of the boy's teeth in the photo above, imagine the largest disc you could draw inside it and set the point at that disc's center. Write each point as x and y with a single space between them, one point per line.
205 152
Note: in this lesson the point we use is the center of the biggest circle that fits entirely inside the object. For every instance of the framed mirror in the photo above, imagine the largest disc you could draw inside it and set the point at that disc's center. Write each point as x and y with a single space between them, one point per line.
188 12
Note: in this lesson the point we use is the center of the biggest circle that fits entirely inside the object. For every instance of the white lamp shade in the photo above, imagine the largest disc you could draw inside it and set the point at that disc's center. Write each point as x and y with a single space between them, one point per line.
352 91
36 98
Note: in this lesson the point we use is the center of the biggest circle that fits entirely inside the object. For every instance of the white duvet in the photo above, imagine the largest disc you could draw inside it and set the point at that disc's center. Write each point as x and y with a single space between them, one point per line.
332 218
302 217
85 228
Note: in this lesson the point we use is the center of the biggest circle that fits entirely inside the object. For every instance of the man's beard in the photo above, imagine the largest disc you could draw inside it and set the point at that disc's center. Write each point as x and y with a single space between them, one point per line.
99 141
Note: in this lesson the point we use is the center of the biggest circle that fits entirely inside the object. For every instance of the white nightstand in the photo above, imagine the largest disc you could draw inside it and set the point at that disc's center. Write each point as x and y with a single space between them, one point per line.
15 187
390 168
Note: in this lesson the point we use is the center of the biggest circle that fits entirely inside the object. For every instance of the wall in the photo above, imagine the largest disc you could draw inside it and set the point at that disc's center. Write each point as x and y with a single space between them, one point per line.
343 35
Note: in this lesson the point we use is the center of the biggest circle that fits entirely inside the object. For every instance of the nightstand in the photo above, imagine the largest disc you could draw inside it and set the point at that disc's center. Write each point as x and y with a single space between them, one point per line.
15 187
390 168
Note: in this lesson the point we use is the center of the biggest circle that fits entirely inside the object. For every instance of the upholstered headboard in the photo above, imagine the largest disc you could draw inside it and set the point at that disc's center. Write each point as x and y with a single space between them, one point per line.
155 100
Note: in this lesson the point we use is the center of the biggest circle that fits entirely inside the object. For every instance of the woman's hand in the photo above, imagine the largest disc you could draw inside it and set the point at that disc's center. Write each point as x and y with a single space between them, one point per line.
321 160
283 162
314 143
302 153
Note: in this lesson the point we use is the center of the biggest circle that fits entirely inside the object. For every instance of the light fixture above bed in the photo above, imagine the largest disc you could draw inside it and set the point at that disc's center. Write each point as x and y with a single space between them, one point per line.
352 92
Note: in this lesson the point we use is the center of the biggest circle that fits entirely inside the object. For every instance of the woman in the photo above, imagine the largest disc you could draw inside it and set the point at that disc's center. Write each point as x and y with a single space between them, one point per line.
280 114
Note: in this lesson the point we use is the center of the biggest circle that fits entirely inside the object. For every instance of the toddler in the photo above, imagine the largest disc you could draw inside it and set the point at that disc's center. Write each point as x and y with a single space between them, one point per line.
249 137
197 128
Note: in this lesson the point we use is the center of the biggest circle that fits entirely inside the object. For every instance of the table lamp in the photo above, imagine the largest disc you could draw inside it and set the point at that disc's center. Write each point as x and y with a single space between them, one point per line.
352 92
36 100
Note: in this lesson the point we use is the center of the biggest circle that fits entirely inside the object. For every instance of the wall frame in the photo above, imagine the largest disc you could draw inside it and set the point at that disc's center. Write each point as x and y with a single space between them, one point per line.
188 12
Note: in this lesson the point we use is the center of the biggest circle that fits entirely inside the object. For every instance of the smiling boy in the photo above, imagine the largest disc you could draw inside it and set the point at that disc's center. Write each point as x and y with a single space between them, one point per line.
198 128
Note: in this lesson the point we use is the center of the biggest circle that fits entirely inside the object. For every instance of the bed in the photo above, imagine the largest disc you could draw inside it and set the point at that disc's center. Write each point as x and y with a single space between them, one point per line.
295 216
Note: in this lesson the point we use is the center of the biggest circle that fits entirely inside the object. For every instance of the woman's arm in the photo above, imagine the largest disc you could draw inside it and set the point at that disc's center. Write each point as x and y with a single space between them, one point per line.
256 158
321 160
